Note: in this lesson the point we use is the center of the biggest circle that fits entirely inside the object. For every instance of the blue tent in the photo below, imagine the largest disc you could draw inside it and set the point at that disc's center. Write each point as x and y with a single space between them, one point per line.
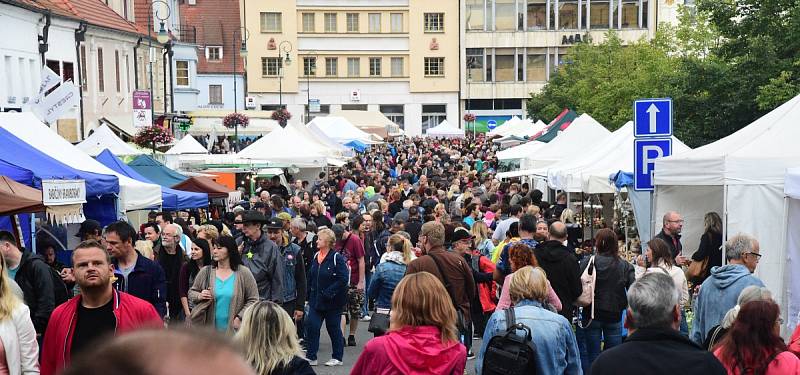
155 171
172 199
101 189
357 145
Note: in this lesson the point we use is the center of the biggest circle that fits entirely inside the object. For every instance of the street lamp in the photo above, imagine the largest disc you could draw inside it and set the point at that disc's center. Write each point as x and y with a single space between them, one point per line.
162 37
312 70
283 48
242 35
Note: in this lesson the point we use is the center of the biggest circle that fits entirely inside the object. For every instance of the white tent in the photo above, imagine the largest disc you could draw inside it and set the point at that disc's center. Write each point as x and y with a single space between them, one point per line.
187 145
133 194
792 190
499 129
517 127
287 147
103 138
445 130
521 151
582 133
741 177
338 129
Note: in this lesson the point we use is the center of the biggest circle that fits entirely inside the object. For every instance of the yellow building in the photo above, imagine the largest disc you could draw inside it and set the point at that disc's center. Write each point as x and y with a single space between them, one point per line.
399 57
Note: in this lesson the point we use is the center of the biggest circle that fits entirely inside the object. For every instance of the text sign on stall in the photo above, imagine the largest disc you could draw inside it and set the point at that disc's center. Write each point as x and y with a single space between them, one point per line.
652 118
142 112
63 192
647 151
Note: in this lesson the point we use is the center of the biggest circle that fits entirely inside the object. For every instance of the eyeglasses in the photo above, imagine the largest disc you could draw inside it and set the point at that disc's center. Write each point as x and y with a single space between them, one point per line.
757 255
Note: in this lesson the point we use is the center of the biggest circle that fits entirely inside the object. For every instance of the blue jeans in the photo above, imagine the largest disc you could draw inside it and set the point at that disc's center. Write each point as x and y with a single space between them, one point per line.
313 323
365 308
610 334
684 325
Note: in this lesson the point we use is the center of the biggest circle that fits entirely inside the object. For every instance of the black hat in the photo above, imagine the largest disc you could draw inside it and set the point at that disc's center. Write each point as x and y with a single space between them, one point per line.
461 234
89 226
274 223
253 217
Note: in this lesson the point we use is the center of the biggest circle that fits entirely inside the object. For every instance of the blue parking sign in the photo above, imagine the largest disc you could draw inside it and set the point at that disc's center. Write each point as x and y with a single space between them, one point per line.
646 152
652 117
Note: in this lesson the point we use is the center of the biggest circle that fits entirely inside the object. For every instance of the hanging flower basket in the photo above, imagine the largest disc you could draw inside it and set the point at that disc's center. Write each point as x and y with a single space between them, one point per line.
282 116
232 120
469 117
152 136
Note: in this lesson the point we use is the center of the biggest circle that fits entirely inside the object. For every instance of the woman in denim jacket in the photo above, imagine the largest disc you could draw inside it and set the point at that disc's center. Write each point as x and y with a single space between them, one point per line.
556 348
389 271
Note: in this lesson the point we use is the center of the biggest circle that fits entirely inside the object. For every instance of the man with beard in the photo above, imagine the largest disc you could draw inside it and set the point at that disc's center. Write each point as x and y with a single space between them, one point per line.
171 259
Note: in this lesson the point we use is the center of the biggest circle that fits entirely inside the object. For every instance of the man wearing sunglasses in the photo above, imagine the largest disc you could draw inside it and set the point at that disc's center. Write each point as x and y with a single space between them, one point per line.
719 292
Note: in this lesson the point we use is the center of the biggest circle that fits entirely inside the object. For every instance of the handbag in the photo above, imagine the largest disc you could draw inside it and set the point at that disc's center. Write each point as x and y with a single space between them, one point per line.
379 322
199 315
588 281
697 270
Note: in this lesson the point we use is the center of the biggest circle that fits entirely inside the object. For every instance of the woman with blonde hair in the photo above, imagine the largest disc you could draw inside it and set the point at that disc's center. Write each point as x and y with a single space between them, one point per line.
208 232
145 247
422 337
272 349
484 244
552 335
17 335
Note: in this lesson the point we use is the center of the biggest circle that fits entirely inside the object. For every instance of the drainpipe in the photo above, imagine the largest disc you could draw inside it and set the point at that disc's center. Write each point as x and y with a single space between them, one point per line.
136 63
43 46
164 60
171 81
80 36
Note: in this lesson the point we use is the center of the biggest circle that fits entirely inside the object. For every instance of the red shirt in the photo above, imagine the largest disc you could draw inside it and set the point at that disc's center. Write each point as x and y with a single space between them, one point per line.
352 248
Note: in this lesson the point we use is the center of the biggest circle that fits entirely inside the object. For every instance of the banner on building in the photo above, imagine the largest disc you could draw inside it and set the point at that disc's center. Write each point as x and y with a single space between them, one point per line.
52 106
142 109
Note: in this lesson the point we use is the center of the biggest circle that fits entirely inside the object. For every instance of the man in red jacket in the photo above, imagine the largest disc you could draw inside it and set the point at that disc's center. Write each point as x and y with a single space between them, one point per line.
99 310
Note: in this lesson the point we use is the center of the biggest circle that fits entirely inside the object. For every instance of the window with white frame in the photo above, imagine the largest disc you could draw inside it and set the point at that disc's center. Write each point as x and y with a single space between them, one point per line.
434 22
474 64
397 66
215 94
504 65
308 22
375 66
394 113
214 53
309 66
599 14
536 65
271 22
182 73
432 115
476 15
397 22
353 66
505 14
352 22
330 22
270 66
630 14
331 66
374 22
537 14
567 14
101 81
434 66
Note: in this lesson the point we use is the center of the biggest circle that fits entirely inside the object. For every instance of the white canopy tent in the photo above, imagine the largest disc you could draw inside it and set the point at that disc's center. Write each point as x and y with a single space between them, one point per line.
791 188
741 177
287 147
517 127
103 138
187 145
133 194
521 151
582 133
338 129
445 130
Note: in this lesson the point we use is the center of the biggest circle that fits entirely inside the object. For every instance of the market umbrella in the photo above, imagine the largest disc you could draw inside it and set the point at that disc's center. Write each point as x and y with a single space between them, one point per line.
16 198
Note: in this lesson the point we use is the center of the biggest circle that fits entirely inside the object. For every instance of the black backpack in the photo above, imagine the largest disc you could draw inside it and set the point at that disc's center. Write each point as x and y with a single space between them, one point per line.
61 293
509 353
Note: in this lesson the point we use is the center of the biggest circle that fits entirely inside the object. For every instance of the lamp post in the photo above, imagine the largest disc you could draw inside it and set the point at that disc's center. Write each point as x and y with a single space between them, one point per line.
283 49
312 70
241 35
470 65
162 37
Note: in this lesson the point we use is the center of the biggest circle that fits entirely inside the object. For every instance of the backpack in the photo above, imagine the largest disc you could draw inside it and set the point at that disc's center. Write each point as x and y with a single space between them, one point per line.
509 353
61 293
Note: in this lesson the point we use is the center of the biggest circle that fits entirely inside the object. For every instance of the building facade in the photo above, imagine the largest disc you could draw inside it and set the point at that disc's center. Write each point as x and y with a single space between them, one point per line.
511 48
399 57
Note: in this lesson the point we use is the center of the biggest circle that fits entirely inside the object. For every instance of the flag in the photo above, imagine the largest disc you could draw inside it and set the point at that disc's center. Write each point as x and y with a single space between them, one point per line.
49 80
52 106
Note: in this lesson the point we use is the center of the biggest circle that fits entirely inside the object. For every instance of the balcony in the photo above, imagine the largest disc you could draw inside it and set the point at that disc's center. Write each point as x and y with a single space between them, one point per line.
186 34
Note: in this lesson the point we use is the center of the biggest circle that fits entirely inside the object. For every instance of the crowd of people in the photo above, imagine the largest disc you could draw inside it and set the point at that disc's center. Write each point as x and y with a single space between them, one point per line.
416 239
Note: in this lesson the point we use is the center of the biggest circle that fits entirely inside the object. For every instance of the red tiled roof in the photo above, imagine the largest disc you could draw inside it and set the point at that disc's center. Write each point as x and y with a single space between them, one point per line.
97 13
217 23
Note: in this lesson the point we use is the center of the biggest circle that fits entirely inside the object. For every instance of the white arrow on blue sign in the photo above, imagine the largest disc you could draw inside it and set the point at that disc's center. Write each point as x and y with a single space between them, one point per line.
646 152
652 117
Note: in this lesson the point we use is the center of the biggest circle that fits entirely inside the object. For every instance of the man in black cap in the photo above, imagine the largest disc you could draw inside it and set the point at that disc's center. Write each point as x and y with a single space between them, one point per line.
294 277
262 257
90 230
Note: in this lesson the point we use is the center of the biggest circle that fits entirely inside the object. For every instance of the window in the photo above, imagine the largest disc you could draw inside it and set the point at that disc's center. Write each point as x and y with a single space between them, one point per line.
434 22
270 66
127 74
331 66
505 16
432 115
270 22
630 14
520 66
537 14
434 66
475 14
353 66
116 70
536 67
504 65
397 22
101 83
394 113
308 22
375 66
599 14
489 66
215 94
309 66
567 14
214 53
354 107
330 22
352 22
182 73
474 64
374 22
67 73
397 66
84 81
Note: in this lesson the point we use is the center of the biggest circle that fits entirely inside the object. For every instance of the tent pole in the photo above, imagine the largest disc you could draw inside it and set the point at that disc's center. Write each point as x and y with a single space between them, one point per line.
784 280
16 229
724 221
33 232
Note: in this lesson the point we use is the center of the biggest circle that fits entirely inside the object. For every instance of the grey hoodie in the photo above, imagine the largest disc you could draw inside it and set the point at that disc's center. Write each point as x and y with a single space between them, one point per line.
263 258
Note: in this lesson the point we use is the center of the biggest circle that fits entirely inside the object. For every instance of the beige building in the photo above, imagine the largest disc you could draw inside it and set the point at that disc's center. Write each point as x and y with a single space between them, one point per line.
399 57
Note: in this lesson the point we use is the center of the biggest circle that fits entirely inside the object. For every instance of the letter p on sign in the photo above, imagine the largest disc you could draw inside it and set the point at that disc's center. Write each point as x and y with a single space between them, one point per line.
647 151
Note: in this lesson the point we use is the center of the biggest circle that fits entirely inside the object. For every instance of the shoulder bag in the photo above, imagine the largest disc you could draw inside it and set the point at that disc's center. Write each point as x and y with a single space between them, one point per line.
698 269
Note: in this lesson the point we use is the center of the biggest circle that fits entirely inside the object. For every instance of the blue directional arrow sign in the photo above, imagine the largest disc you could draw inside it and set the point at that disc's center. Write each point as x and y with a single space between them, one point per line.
652 117
646 153
491 124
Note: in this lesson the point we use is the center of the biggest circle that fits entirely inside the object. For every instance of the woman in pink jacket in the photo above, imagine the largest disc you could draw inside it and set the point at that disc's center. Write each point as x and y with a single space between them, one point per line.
521 255
422 333
754 345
